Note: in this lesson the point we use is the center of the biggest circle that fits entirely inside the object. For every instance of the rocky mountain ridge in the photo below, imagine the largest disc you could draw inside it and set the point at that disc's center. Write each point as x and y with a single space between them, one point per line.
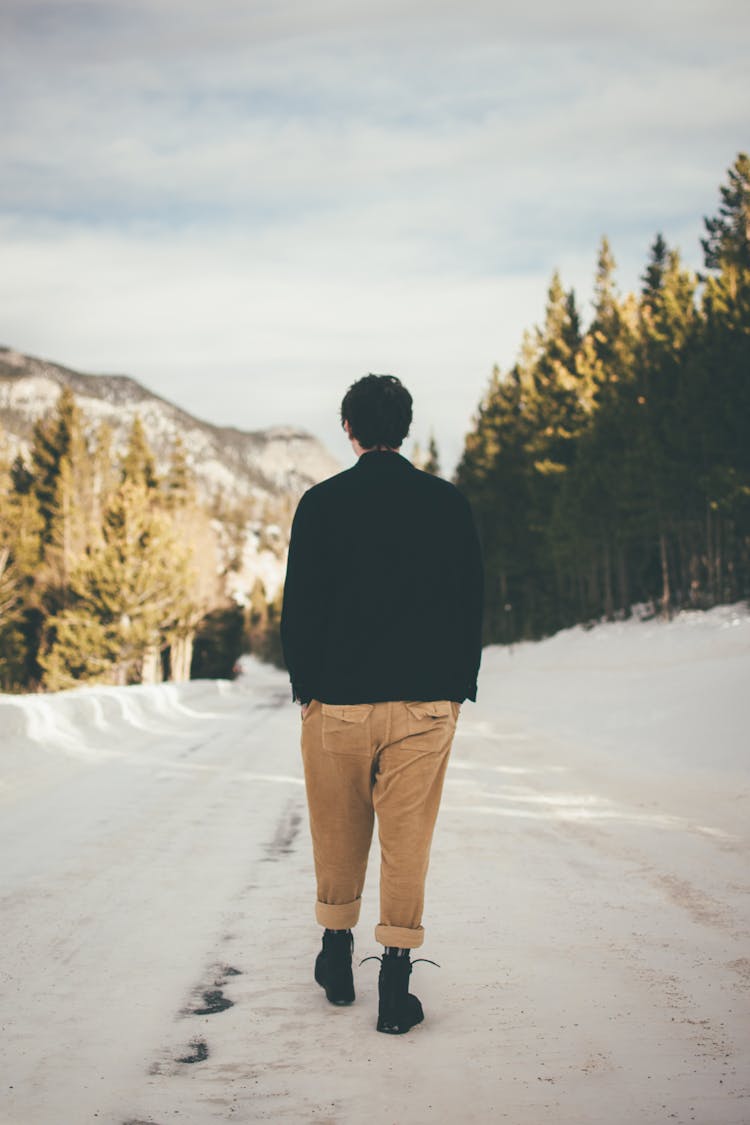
273 463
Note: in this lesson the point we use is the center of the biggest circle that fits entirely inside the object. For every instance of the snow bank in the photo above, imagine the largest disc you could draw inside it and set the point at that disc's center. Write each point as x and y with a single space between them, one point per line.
92 715
588 901
646 692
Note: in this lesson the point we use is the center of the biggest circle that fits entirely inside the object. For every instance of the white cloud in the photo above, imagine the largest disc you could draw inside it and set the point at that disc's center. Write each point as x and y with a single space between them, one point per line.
248 205
237 341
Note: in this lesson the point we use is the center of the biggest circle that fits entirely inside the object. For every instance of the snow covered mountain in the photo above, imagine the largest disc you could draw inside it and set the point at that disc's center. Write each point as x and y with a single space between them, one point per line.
276 462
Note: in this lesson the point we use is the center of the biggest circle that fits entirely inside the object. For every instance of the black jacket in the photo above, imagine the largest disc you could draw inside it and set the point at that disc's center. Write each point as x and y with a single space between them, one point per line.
383 592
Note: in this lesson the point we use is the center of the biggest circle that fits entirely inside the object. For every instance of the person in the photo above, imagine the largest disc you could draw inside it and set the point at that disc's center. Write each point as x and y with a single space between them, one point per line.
381 633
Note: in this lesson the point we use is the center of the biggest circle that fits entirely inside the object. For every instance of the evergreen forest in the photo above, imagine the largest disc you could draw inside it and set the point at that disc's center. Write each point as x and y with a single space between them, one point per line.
112 574
610 466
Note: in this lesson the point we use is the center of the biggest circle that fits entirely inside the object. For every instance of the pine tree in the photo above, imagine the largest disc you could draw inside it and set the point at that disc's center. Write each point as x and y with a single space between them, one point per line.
663 419
606 462
105 476
9 580
21 478
726 247
62 483
553 401
58 451
139 465
653 276
21 527
179 483
130 596
432 464
196 538
495 473
22 523
725 363
9 589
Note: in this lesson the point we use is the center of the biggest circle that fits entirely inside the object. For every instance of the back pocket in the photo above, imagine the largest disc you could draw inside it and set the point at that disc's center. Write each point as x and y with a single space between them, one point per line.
346 729
425 716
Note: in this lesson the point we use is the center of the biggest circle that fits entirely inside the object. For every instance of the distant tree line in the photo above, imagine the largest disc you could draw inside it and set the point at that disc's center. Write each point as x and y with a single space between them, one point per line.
611 465
111 574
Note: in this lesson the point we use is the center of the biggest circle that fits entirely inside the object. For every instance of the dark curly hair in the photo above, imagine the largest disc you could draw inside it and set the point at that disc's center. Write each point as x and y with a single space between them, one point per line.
378 410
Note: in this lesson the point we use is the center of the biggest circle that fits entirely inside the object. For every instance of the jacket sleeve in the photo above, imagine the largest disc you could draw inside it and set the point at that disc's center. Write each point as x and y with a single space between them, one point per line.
302 614
471 585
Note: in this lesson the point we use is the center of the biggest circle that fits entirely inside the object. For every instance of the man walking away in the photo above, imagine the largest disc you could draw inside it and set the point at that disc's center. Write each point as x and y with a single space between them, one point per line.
381 630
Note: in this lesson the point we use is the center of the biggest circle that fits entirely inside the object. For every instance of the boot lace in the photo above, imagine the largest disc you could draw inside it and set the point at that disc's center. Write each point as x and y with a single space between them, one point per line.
426 960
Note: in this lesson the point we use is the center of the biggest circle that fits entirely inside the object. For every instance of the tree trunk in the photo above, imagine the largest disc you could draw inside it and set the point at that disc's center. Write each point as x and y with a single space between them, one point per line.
180 658
710 564
609 602
595 596
581 585
151 666
666 593
681 568
623 593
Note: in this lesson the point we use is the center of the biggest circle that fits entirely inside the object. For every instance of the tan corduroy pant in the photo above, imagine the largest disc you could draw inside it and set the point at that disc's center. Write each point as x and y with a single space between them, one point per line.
368 759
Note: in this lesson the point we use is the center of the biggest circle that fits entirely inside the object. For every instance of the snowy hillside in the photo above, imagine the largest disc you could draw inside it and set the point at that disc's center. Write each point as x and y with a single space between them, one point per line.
273 461
588 901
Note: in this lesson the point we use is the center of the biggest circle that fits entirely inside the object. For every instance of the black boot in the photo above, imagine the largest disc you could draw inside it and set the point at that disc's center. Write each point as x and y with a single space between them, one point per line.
398 1010
333 966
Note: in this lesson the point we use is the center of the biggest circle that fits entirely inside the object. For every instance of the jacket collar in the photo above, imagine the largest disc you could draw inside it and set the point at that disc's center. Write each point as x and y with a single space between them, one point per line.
376 460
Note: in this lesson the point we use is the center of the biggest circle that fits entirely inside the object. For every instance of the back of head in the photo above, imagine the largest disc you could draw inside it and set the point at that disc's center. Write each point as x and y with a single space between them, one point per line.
378 410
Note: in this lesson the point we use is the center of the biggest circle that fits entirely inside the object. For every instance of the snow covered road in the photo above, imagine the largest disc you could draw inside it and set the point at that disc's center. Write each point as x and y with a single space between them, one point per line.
589 902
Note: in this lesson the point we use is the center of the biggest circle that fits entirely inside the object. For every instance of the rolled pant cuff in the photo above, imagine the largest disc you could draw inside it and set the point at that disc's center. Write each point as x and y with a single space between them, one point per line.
338 916
399 936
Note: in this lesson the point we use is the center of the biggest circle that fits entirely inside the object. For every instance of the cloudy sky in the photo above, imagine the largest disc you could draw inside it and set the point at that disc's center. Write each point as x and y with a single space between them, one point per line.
247 204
